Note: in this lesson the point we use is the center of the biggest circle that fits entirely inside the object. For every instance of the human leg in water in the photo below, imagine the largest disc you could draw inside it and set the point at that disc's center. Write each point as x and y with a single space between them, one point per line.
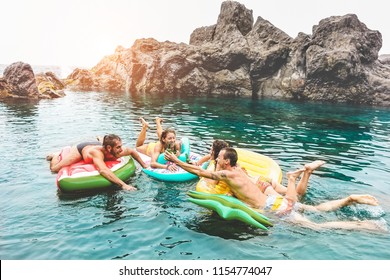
303 182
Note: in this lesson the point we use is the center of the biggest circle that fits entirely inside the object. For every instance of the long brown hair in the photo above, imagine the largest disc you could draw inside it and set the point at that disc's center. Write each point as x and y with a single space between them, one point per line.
218 145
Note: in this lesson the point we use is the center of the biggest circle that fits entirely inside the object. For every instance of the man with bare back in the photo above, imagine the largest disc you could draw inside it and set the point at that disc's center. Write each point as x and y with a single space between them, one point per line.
97 153
247 191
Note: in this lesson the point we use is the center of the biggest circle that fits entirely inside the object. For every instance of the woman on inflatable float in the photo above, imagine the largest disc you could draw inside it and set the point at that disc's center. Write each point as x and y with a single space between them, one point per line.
167 142
154 154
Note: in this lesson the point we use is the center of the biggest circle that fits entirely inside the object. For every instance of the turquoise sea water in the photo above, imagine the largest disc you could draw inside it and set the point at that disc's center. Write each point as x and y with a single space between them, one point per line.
157 222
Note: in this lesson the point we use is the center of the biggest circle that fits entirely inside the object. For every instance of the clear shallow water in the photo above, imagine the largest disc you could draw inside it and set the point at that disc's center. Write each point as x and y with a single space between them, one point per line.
157 222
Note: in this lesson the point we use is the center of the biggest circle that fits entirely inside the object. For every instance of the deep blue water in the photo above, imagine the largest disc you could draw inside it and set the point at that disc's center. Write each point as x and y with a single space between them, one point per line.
157 222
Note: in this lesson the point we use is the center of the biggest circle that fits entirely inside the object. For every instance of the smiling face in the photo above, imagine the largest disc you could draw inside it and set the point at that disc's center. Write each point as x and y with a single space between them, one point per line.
227 157
221 161
112 145
116 149
170 139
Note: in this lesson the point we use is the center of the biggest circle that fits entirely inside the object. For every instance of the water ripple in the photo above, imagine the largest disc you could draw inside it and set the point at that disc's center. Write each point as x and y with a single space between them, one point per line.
157 221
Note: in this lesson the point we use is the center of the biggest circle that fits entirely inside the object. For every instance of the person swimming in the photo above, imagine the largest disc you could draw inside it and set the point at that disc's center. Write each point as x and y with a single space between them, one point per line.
247 191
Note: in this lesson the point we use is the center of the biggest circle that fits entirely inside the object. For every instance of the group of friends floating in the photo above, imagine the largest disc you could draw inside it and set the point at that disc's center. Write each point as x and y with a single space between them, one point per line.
258 193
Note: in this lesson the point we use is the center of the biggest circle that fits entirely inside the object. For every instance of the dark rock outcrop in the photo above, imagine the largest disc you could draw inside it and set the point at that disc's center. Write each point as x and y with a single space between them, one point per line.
340 58
337 63
19 81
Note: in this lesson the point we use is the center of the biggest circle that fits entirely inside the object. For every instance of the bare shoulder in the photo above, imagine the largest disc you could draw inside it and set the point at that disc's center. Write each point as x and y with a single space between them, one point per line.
158 148
96 152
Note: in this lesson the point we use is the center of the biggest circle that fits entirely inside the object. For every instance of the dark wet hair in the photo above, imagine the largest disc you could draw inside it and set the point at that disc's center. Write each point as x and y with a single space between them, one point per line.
230 154
218 145
110 139
165 133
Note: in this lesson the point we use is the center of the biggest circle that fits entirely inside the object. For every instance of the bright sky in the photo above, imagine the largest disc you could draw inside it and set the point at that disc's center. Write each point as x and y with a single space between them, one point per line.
81 32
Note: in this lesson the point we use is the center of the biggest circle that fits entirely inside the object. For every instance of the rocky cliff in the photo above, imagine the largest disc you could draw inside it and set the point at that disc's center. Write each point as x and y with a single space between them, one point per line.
338 62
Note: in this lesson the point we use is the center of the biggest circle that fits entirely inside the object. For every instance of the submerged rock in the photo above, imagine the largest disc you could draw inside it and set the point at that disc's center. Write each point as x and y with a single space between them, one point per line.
337 63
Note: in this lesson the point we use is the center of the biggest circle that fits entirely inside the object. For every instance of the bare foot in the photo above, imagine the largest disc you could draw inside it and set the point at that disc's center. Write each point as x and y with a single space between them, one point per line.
144 123
364 199
294 174
159 120
310 167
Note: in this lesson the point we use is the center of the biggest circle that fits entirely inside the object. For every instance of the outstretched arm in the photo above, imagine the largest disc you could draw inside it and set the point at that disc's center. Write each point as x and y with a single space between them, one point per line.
133 153
195 169
203 159
98 160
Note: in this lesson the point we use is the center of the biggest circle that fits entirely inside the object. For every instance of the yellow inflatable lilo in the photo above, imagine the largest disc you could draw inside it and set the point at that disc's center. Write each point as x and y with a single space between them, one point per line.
218 197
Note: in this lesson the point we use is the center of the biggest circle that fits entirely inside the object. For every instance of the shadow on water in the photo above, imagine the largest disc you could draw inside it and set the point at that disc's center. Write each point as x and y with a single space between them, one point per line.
169 200
168 196
109 200
209 222
22 108
73 196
